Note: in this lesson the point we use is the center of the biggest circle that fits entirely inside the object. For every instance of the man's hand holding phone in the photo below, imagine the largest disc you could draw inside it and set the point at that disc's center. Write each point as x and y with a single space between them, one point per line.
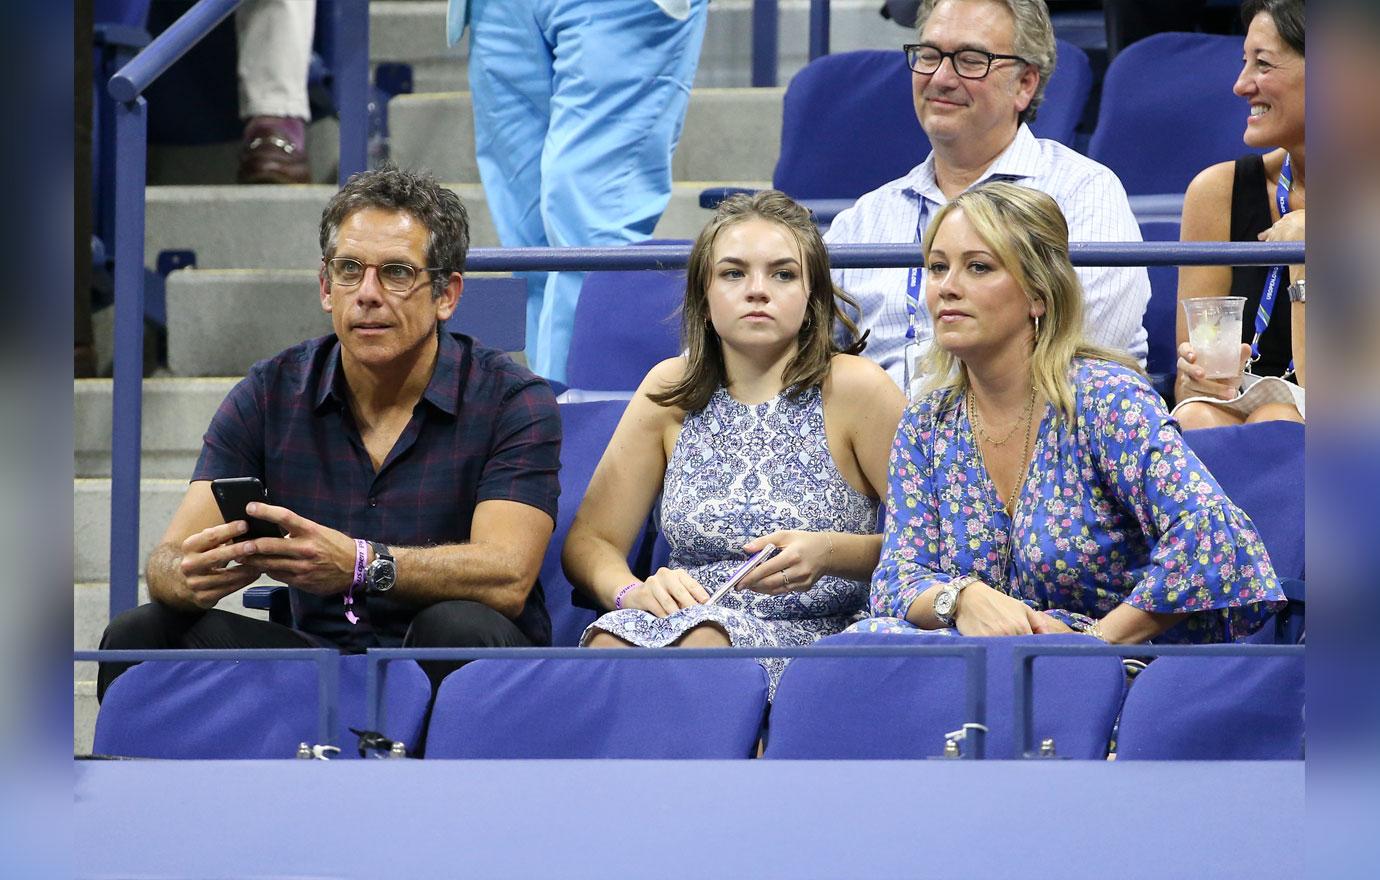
206 557
312 557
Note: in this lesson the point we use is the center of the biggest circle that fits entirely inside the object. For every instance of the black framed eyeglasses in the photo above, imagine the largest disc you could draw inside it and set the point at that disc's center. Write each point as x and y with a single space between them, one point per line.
967 63
397 277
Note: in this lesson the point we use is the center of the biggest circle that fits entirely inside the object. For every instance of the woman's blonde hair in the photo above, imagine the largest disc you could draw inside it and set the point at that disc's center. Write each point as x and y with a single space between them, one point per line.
1028 235
704 372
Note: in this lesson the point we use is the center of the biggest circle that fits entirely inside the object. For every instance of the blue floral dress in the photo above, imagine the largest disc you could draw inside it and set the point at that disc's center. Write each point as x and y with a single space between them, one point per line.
1115 509
739 472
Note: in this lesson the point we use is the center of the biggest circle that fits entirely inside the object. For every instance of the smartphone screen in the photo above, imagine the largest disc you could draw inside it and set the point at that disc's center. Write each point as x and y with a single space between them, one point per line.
233 493
741 572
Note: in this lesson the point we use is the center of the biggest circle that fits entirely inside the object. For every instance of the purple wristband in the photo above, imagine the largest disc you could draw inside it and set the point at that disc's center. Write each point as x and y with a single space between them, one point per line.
618 600
361 554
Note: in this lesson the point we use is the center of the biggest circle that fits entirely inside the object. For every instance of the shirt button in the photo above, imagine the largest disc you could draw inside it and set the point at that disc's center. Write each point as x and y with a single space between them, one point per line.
373 502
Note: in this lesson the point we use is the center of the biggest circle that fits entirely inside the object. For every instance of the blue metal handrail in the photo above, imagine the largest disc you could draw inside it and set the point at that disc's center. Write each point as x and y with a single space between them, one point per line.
350 70
1023 660
766 38
872 256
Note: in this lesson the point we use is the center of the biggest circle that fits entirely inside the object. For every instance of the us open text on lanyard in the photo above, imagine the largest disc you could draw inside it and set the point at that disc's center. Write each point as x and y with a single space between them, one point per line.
914 279
1272 280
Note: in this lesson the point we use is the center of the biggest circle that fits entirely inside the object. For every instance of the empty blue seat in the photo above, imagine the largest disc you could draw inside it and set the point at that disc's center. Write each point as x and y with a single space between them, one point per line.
1214 708
1168 111
246 709
597 708
1162 310
625 324
901 707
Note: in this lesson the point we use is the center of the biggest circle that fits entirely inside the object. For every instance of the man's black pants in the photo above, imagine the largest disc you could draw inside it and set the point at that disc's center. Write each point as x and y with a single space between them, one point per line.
459 623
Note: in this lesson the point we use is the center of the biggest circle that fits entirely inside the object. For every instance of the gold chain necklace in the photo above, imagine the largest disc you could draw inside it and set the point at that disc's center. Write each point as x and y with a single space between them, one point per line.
975 418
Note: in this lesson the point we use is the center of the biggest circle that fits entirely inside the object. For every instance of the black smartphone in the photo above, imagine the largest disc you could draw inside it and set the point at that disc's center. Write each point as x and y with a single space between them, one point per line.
233 493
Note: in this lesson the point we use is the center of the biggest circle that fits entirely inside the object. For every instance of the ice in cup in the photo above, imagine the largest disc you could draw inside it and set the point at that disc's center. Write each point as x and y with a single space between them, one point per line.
1214 331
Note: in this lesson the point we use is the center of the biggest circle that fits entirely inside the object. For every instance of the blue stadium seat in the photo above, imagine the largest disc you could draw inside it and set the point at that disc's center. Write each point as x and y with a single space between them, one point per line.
585 429
1065 96
901 707
1168 111
246 709
1163 359
1214 708
1260 467
493 311
596 708
625 324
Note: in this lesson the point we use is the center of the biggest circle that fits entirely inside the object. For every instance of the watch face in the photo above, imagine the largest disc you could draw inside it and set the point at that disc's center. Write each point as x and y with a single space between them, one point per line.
382 573
944 603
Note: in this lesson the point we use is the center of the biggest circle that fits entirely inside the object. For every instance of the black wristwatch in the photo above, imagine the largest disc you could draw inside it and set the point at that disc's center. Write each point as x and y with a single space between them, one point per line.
382 572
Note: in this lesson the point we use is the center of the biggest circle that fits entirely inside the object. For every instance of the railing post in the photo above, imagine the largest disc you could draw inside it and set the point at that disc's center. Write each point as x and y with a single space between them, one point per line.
765 35
131 145
819 28
350 83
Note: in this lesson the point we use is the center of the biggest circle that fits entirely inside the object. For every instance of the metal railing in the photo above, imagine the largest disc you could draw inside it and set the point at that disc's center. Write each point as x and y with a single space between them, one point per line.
348 36
973 654
766 23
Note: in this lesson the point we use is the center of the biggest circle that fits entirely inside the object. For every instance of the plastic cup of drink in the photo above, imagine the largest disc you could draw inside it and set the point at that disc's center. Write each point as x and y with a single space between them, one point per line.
1214 331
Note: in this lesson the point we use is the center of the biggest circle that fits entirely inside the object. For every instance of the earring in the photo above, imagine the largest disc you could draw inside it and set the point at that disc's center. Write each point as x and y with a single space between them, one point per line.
1037 328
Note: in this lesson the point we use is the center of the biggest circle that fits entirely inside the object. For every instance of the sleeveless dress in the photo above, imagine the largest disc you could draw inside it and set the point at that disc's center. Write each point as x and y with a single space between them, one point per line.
739 472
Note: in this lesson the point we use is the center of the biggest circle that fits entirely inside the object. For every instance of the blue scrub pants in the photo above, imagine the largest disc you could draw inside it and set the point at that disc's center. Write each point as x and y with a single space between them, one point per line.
578 105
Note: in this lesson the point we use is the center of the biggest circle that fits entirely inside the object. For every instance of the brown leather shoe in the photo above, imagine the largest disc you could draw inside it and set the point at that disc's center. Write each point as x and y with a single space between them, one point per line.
274 151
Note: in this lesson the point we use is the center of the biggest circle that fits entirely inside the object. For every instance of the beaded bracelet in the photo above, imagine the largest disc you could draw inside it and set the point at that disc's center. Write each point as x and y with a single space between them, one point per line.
618 600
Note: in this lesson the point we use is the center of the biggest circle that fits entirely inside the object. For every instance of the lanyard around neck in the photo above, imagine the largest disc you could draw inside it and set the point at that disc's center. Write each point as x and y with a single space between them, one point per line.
1272 280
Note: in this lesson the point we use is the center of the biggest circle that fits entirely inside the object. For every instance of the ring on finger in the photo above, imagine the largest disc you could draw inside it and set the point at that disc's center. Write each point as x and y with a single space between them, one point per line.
785 578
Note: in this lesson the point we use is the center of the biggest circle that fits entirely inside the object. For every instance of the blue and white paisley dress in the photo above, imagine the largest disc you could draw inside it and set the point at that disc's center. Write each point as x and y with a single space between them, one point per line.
739 472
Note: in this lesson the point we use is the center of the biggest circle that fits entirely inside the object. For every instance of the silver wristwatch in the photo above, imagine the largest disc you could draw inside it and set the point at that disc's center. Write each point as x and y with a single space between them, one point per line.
1296 294
382 572
946 603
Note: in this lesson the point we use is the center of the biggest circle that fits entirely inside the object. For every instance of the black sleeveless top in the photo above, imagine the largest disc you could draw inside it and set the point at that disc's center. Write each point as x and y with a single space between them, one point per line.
1250 216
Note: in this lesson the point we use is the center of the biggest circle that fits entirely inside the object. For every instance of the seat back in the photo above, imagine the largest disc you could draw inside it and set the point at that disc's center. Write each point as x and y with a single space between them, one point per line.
1065 96
246 709
1168 111
1214 708
833 105
493 311
1162 311
625 324
585 431
1260 467
654 709
901 707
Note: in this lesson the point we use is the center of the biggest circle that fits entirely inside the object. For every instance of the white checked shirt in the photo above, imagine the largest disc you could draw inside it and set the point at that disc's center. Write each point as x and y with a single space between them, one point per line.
1091 197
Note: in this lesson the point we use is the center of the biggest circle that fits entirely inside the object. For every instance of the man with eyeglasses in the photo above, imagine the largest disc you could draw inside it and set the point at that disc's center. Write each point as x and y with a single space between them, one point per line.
979 71
413 472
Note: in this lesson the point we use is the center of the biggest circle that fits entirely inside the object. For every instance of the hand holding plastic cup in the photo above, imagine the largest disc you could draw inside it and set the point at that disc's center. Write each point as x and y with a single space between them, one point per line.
1214 331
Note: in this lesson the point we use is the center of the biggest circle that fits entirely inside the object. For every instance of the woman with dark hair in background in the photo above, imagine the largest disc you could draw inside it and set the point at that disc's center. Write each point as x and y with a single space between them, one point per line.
762 432
1254 198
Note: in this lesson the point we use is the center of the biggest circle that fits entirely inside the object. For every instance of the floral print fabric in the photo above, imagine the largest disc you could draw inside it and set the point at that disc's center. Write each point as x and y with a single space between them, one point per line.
1116 508
738 472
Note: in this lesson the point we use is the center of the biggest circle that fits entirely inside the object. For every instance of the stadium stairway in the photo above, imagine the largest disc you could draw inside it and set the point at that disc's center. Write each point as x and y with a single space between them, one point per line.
253 242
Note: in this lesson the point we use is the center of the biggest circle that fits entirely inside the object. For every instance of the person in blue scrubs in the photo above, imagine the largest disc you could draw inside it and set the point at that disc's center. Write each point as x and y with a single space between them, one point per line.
578 105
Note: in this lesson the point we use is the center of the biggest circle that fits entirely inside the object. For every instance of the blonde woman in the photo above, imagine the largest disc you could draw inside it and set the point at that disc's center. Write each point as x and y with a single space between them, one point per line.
1039 485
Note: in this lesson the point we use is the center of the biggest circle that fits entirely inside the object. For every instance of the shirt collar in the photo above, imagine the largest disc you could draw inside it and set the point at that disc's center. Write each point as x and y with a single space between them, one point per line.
442 392
1020 159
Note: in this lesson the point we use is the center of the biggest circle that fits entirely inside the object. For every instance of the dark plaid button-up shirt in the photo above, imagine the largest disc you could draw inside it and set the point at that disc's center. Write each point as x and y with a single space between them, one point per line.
484 429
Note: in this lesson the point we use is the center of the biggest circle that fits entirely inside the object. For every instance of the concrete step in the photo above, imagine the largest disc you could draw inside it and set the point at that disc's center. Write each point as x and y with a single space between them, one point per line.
436 131
414 33
175 415
158 500
275 227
